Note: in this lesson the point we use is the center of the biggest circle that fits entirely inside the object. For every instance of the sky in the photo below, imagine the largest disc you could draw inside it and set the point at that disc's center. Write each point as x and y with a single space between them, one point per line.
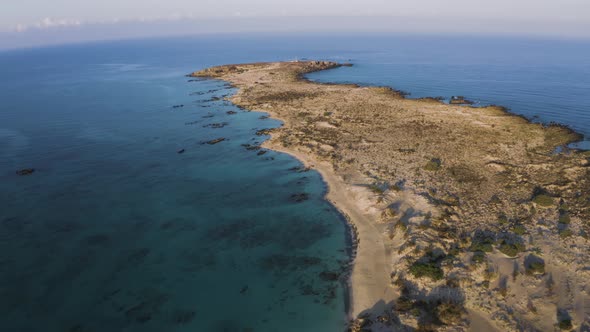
30 22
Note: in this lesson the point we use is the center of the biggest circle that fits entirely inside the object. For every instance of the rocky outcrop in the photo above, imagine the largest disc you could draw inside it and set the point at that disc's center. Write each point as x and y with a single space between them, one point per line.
26 171
459 100
215 141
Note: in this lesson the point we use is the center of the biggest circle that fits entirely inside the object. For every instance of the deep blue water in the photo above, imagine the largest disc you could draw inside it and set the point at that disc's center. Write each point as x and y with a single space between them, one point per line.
546 81
117 231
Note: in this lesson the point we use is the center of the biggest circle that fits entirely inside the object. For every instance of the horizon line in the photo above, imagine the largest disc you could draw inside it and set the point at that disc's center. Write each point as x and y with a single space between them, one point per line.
288 25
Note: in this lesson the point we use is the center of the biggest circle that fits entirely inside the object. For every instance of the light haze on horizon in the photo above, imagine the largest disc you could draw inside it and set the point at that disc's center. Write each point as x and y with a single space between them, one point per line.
564 18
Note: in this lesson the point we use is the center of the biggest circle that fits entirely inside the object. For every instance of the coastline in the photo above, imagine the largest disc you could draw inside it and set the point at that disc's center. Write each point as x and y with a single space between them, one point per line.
369 278
397 224
577 137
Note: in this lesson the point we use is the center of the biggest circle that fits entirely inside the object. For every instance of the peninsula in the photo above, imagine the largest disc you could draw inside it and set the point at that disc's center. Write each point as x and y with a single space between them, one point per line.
465 218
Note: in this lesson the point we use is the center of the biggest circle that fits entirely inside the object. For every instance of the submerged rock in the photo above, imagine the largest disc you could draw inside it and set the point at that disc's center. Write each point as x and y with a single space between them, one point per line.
148 305
244 289
200 93
216 125
300 197
286 263
300 169
76 328
215 141
329 276
261 152
97 239
251 147
213 99
231 112
264 132
184 316
26 171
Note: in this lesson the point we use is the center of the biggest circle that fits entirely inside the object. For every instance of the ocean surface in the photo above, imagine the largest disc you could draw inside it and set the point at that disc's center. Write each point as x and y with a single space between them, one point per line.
131 223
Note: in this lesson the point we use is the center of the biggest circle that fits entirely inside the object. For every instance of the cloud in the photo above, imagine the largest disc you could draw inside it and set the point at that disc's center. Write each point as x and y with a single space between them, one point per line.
51 23
20 28
47 23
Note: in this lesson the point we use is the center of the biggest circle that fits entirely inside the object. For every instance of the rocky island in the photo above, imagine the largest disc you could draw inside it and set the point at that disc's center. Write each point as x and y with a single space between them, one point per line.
465 218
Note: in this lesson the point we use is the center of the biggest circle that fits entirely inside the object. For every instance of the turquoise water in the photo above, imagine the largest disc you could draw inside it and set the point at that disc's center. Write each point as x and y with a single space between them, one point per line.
118 231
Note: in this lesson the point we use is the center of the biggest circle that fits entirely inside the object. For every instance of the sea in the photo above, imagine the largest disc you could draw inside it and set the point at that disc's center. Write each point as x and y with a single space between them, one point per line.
131 221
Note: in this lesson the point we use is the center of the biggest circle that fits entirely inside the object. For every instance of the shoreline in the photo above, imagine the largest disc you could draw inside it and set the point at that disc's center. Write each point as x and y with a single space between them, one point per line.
366 259
366 285
369 287
329 178
577 136
406 188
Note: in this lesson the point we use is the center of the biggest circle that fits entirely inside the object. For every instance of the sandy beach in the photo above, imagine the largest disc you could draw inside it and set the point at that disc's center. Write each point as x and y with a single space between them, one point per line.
370 278
465 217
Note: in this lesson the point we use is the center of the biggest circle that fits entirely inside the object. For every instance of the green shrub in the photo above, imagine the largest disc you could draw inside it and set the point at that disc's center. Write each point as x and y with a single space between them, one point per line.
565 233
433 165
454 251
485 247
404 304
478 257
396 187
378 188
534 265
511 249
429 265
564 218
565 324
427 269
449 313
495 199
519 229
484 244
503 219
543 200
401 226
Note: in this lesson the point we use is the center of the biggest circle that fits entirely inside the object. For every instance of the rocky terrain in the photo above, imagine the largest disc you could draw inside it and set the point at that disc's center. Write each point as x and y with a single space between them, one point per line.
467 218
